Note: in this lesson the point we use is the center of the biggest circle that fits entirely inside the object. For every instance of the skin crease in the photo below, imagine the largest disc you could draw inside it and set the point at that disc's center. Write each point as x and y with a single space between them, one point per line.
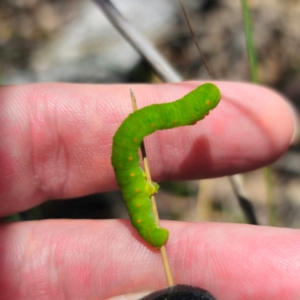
56 143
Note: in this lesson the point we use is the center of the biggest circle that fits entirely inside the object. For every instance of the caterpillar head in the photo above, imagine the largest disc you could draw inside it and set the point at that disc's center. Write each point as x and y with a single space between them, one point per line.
206 97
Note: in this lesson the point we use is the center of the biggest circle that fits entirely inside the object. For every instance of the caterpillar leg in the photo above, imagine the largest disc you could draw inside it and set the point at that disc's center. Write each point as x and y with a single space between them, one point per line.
152 187
158 236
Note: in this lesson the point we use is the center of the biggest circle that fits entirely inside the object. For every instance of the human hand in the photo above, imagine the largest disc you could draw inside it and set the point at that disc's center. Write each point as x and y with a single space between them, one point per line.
56 143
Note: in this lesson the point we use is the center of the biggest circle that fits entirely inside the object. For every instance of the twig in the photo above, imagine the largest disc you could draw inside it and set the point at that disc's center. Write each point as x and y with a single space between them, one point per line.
154 207
245 204
141 44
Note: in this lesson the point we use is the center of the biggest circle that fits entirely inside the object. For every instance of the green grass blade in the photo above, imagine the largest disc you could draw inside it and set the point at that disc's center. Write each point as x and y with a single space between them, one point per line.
272 219
249 40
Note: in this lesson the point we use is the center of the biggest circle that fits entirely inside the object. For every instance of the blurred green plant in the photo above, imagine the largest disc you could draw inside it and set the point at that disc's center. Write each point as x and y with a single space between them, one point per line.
253 71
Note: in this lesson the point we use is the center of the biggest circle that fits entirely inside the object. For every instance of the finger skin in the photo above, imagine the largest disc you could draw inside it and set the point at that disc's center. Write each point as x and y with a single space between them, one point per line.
56 138
101 259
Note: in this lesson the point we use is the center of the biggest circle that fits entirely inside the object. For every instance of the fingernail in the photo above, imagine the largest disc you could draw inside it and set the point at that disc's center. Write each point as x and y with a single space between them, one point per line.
133 296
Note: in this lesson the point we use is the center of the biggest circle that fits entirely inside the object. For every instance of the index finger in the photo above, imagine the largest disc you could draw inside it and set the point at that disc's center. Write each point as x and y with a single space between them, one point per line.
56 138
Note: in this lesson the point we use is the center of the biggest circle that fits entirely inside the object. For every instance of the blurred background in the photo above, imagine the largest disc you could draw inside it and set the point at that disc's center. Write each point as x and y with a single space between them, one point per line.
73 41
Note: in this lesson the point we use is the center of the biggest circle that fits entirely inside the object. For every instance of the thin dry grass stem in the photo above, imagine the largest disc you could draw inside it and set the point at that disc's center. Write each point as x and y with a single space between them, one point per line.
154 207
209 69
272 218
204 209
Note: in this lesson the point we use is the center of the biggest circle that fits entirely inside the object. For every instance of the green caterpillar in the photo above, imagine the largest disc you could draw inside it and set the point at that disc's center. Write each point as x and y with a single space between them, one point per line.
135 189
